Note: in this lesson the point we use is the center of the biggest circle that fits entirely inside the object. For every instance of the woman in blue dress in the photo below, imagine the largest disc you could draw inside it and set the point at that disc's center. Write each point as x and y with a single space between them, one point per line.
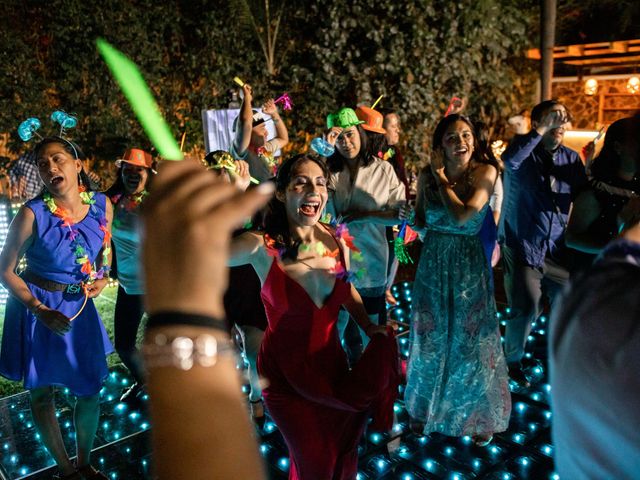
457 380
52 334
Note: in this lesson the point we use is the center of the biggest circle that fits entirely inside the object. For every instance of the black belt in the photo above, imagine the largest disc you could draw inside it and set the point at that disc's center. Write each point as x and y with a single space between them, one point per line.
50 285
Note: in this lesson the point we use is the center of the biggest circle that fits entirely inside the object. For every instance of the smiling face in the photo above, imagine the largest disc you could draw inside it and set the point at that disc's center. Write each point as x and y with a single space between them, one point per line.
58 168
349 143
134 178
458 142
306 195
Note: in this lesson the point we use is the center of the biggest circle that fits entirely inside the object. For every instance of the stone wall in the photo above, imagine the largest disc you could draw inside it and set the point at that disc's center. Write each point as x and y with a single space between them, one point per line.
590 112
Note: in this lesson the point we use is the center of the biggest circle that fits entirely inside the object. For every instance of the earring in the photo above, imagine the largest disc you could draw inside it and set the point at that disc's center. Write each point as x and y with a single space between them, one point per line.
81 186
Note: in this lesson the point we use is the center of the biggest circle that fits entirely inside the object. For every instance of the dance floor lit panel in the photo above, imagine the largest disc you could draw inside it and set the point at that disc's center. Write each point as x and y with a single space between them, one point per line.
123 449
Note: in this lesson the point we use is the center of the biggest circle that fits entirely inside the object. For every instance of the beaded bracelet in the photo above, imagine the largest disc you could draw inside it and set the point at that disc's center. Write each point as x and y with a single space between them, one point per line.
184 352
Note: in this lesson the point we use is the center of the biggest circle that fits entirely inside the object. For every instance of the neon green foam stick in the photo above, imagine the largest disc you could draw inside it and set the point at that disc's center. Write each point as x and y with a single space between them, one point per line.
141 100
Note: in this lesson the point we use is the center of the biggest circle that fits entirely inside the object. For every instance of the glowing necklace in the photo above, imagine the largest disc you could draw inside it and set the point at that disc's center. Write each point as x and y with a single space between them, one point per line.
128 203
387 155
134 201
76 246
338 269
267 157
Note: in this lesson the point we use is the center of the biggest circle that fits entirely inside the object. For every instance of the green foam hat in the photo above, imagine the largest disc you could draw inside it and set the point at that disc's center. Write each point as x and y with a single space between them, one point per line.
344 118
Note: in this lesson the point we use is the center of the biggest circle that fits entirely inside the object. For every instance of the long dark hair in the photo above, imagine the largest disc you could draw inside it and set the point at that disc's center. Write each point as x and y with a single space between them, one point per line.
605 166
71 148
476 156
484 142
336 161
117 188
276 222
376 143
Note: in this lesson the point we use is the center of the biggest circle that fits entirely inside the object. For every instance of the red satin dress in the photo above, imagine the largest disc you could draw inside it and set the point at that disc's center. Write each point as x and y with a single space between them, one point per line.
320 406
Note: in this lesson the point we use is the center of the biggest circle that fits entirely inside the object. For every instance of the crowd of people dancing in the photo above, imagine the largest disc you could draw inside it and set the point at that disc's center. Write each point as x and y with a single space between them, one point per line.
311 254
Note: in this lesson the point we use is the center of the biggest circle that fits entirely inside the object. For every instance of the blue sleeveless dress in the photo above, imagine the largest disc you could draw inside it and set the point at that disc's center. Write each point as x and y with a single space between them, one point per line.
30 351
457 381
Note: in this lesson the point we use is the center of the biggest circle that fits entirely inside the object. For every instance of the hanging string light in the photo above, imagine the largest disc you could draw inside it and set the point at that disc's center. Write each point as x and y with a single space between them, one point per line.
590 86
633 85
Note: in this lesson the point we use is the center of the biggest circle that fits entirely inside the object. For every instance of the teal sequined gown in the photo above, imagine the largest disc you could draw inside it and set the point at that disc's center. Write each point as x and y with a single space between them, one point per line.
457 381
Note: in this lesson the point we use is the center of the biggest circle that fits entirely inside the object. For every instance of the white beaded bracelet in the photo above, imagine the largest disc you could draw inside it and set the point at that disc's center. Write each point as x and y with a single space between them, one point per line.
185 352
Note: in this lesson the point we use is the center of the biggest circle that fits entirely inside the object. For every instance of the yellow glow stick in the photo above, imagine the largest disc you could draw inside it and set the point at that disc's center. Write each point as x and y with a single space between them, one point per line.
234 170
228 163
238 81
184 135
376 102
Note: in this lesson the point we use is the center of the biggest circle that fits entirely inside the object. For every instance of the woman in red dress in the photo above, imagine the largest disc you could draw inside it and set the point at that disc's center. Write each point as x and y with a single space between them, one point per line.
320 406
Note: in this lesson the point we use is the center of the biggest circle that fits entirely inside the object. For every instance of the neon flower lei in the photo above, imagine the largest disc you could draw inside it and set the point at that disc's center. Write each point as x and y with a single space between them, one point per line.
387 155
342 232
267 157
76 246
129 203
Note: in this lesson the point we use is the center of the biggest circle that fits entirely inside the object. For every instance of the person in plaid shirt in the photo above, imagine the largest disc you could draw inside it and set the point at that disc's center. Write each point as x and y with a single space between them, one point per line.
25 181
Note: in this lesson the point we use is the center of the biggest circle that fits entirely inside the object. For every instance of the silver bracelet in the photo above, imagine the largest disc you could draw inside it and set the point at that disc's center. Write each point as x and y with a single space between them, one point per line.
185 352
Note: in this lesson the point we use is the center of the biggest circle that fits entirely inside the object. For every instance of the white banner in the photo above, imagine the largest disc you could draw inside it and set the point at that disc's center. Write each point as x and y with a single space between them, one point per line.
218 129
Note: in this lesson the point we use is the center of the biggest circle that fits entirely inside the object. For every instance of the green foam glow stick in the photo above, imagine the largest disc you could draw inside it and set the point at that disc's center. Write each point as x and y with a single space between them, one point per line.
141 100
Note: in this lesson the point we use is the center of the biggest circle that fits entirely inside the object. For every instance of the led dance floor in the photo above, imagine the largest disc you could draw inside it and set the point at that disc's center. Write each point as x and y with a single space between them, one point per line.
122 447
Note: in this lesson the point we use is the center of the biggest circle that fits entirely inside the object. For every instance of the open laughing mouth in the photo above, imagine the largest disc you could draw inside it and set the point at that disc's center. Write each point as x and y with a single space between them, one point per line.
310 209
133 181
57 180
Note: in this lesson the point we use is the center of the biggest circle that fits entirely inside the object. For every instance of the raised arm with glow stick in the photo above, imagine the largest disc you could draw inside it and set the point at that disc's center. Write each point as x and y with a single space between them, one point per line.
203 444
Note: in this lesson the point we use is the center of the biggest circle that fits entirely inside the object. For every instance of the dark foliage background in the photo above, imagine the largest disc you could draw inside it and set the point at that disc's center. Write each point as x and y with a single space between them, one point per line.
326 54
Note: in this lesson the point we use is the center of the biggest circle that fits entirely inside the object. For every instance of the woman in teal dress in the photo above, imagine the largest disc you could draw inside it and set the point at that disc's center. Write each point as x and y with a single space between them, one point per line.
457 380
